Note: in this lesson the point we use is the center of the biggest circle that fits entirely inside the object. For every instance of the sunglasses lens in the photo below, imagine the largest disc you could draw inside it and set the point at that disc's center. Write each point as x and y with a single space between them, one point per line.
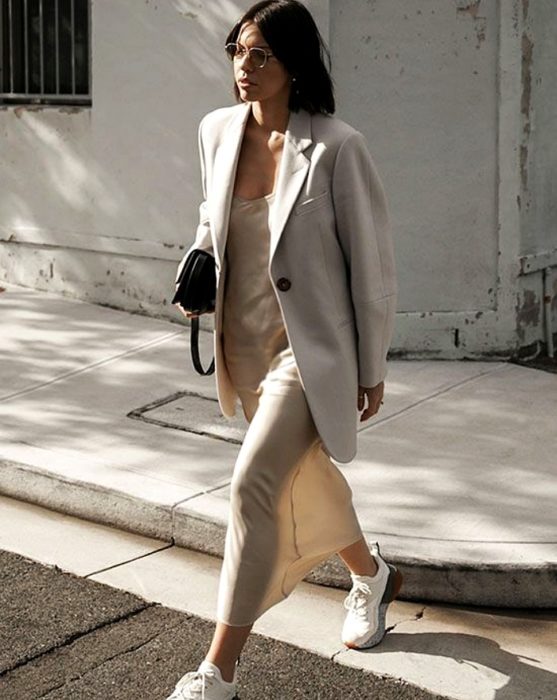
257 57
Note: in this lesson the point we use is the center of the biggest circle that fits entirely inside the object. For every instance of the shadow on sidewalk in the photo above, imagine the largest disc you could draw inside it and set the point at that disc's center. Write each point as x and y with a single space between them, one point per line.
510 676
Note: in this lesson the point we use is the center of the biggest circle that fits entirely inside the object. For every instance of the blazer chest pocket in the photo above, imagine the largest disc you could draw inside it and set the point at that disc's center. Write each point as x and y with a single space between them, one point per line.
320 200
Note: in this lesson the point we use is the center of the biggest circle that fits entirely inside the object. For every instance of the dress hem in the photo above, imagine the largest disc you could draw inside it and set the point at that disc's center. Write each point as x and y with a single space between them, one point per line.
326 555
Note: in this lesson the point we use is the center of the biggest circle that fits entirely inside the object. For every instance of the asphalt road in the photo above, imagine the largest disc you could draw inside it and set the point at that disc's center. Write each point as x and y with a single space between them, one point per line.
62 637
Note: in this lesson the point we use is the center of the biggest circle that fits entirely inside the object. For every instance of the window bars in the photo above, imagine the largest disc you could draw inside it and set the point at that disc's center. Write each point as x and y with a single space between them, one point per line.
44 52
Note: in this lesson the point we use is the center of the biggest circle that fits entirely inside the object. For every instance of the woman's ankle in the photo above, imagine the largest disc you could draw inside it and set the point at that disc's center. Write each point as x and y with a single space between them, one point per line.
370 570
226 669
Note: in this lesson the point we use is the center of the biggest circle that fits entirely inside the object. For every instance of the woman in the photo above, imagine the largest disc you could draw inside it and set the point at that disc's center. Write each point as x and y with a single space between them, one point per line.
296 217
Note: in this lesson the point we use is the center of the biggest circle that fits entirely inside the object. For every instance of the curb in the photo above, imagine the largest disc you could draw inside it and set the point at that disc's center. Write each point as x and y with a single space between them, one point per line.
461 582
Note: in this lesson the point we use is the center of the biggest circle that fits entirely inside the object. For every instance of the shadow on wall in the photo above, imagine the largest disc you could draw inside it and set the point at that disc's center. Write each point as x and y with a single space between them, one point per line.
97 203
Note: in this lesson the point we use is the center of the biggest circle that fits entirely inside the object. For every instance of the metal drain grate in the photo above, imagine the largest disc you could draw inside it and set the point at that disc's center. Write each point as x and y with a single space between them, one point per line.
193 413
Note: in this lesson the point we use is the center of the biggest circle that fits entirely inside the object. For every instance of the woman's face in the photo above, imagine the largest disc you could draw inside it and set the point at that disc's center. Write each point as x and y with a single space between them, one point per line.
259 84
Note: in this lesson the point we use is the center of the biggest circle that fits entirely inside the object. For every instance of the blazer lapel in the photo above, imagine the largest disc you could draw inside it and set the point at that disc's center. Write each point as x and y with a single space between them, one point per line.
293 169
226 163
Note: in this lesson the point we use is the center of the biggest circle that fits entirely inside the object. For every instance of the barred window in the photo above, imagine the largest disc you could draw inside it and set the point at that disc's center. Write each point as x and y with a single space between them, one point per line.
44 52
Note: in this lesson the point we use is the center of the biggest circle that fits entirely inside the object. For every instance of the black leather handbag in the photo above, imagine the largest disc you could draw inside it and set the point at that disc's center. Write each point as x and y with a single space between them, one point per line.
196 292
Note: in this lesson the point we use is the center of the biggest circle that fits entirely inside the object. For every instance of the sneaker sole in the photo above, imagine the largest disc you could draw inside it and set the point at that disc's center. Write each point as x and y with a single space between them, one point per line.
236 697
394 583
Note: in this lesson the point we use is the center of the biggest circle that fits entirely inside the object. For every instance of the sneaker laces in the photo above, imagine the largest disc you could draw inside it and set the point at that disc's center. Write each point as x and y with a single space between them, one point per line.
356 600
198 681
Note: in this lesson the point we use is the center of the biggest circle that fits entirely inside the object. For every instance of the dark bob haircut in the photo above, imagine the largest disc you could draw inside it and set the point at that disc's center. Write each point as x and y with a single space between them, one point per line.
294 38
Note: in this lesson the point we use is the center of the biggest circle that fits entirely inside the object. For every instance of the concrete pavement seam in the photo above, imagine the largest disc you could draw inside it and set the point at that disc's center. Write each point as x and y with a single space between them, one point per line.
129 561
174 507
206 491
440 392
186 429
141 412
89 367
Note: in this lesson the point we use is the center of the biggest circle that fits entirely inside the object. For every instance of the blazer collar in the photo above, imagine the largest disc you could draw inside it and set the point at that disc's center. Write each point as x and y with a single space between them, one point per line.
293 169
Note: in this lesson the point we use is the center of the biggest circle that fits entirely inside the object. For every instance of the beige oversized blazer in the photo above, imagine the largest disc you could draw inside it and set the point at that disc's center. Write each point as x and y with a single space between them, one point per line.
331 260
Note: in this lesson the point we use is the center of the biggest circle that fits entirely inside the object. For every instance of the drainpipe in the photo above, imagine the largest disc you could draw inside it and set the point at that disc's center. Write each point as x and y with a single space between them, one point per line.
547 299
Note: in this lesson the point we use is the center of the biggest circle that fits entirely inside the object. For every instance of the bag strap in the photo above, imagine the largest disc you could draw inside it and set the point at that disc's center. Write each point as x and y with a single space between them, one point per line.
194 342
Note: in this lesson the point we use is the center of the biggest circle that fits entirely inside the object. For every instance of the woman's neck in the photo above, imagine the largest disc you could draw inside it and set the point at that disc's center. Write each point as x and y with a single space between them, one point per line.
268 116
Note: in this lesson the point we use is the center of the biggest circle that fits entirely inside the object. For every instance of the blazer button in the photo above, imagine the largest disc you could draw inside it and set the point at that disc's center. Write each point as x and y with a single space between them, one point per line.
283 284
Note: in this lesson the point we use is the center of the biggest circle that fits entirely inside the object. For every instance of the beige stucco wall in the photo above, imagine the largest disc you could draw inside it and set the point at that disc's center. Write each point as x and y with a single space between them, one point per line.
99 203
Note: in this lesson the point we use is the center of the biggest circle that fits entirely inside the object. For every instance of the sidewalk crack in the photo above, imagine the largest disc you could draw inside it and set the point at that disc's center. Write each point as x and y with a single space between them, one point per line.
340 651
135 647
417 616
76 636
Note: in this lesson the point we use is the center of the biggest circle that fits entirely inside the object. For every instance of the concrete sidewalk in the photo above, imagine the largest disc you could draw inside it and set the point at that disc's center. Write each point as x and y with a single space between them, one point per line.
449 651
102 416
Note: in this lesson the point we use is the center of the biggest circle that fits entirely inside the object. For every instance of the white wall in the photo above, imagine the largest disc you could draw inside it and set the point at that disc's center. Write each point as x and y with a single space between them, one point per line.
419 79
100 202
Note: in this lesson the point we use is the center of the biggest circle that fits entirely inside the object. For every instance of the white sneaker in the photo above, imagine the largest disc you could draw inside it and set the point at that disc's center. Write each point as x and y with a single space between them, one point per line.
205 684
367 604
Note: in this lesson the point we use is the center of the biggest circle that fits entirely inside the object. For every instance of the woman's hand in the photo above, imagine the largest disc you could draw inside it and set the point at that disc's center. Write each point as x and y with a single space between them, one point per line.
374 400
189 314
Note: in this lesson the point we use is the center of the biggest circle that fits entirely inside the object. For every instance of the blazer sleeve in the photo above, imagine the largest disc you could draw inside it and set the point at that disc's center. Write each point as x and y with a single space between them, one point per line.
203 233
364 232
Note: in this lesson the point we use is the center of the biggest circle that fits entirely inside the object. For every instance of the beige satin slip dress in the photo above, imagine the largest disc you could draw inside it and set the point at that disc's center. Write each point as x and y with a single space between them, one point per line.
290 506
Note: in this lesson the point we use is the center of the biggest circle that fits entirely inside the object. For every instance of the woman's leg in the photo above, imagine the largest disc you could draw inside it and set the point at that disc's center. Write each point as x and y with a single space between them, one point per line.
261 539
226 646
280 436
359 559
262 471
